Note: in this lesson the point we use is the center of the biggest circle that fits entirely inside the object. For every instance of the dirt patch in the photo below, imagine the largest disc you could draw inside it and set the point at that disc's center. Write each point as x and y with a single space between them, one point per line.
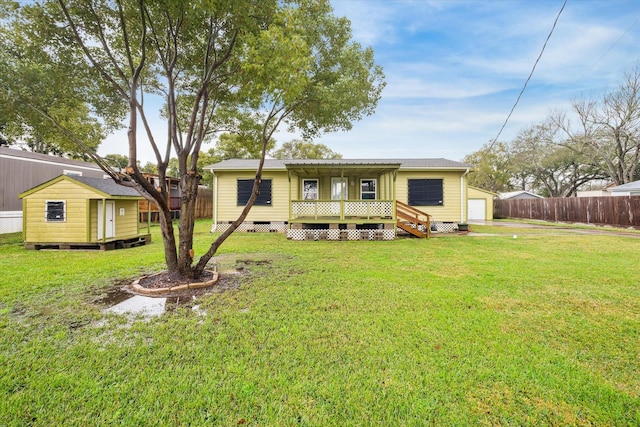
165 280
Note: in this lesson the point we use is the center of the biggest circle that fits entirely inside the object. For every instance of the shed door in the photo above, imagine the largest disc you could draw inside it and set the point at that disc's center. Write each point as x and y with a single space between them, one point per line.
110 230
477 209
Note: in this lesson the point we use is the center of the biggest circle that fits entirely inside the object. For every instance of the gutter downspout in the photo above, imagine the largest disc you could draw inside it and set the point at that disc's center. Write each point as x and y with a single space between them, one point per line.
463 205
215 201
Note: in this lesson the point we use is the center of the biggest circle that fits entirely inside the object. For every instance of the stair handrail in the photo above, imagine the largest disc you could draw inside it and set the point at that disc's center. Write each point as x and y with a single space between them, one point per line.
410 213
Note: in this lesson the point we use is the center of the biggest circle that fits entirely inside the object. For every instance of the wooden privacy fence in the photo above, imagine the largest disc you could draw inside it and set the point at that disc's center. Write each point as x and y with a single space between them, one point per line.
204 203
623 211
204 206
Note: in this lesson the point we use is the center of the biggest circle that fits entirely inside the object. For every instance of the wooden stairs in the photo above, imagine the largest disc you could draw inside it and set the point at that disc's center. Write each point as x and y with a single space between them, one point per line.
413 221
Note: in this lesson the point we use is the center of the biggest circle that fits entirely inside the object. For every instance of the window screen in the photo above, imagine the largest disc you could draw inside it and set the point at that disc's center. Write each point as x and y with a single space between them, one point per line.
245 186
55 211
425 192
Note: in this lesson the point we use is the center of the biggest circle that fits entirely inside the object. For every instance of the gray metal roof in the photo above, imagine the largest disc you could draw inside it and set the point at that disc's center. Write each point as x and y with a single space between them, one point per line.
38 157
107 186
276 164
629 186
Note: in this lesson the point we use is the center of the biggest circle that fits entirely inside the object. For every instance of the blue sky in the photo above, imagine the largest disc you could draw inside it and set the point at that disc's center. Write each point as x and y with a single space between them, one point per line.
455 68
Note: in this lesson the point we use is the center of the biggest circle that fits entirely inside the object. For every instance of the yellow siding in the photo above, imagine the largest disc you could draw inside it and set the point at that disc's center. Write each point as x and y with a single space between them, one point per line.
73 229
451 208
227 197
126 226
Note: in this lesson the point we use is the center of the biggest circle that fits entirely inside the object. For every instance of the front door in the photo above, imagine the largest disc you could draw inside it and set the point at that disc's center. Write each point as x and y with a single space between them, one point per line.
110 230
338 192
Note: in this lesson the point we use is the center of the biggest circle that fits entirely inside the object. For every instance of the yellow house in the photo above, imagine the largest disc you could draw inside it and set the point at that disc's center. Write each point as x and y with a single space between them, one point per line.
357 199
81 212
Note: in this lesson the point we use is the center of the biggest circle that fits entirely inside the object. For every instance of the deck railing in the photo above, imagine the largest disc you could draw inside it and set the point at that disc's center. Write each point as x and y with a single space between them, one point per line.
341 209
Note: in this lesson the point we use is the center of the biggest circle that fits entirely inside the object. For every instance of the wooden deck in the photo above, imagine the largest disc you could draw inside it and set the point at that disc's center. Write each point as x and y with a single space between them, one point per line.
95 246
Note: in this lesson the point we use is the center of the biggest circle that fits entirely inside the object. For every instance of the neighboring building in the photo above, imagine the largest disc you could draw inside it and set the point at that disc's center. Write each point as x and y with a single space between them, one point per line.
593 193
150 211
21 170
515 195
81 212
479 204
343 199
628 189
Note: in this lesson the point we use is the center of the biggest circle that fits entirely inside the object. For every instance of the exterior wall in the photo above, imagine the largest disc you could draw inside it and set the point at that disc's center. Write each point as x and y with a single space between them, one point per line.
477 193
384 184
226 196
73 229
453 208
126 226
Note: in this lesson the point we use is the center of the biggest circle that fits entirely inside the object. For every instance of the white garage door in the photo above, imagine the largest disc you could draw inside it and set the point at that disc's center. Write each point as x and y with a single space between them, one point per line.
477 210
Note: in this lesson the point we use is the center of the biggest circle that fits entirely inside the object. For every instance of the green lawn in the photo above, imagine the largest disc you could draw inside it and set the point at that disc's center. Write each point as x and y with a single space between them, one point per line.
460 330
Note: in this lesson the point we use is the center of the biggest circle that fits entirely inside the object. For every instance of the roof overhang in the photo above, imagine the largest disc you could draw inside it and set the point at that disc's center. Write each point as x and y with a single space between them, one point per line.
311 168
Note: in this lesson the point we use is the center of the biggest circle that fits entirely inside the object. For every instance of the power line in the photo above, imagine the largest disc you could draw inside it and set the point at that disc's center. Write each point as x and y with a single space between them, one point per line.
530 74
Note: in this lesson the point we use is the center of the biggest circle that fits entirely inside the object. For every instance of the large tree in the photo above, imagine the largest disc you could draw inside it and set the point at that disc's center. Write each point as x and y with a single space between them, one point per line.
35 93
491 169
607 131
542 164
245 67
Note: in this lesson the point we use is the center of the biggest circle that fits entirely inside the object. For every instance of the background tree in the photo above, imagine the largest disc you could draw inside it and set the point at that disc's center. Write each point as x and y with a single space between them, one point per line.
491 168
117 161
244 67
543 166
240 146
608 132
300 149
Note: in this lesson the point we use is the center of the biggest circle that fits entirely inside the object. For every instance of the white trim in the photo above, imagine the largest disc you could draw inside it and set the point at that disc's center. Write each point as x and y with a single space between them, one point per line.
49 162
375 188
317 193
345 186
69 172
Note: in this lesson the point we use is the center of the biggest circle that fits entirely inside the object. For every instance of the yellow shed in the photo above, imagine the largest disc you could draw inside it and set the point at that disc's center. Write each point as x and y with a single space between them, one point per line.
76 212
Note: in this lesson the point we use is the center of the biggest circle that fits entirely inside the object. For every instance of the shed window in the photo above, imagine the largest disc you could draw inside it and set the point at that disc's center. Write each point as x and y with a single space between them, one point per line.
426 192
245 187
55 210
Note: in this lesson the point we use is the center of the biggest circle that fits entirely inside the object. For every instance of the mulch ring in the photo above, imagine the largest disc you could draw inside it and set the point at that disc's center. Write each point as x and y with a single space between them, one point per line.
165 283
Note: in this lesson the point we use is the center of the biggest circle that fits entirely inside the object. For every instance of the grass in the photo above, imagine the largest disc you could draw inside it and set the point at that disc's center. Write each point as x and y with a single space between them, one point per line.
487 330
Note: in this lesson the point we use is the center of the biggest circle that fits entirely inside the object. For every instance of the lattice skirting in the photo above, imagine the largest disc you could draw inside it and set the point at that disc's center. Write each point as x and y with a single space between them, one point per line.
335 234
250 227
440 227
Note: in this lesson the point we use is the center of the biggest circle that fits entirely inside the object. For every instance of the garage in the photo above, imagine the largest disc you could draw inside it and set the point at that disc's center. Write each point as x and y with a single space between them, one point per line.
477 210
479 204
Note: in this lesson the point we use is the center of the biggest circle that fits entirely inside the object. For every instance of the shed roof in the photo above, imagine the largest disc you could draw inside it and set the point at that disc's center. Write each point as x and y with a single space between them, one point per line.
278 164
108 187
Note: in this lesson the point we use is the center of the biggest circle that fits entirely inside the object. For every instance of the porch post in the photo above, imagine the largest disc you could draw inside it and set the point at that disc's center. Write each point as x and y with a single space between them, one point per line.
104 220
290 200
343 190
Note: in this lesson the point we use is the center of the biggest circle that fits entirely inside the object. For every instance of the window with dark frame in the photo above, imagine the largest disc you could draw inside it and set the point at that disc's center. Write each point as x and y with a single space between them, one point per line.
310 189
55 211
426 192
367 189
245 188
